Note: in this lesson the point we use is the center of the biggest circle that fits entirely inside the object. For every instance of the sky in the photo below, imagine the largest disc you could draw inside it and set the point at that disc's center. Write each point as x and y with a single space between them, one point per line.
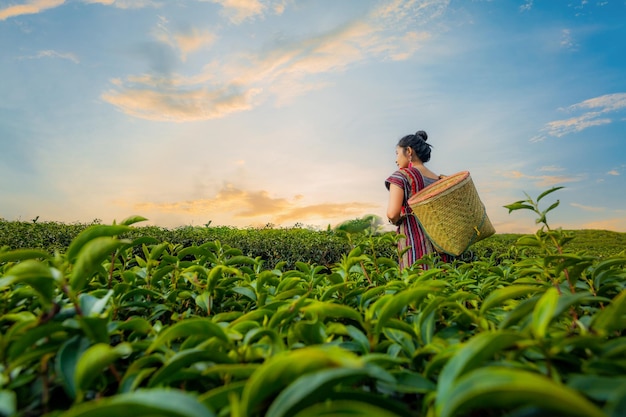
249 113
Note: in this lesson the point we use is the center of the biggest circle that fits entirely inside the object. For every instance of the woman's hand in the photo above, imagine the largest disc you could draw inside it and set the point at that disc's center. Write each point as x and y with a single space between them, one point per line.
399 221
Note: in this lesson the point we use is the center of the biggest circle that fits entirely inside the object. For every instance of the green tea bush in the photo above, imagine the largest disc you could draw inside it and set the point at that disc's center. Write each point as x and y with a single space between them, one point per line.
124 324
273 245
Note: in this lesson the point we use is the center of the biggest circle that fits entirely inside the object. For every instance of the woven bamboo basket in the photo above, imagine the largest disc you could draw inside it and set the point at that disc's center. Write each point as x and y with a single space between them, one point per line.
451 213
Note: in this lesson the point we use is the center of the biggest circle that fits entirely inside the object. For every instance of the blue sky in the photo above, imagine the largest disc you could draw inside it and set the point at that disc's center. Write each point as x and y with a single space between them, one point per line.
248 112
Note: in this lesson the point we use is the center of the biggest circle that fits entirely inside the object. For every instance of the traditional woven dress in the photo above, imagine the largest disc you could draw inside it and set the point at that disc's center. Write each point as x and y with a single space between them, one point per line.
411 181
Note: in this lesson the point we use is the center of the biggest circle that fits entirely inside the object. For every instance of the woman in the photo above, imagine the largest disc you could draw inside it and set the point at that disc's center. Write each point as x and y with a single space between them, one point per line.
412 152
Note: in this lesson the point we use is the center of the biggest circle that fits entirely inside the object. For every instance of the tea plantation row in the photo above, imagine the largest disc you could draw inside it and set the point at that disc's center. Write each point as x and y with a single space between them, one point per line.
118 322
289 245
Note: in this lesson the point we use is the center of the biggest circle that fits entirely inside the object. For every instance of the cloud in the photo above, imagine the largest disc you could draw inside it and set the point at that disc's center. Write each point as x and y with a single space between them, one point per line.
527 6
177 105
617 224
29 7
595 113
325 210
125 4
543 180
613 172
243 204
587 208
279 74
567 41
186 42
53 54
551 168
38 6
605 103
239 10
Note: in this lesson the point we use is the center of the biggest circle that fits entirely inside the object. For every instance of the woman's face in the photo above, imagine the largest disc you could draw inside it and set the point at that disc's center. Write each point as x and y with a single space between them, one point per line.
401 157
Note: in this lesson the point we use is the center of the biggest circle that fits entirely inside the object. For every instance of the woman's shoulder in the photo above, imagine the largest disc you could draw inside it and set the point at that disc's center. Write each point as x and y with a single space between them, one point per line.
406 171
402 176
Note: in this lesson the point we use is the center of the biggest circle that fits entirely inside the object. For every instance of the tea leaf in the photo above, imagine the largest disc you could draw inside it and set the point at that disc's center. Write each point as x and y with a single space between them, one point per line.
545 193
346 408
91 233
544 312
508 388
90 257
282 369
501 295
219 398
398 302
94 360
153 402
23 341
519 205
322 310
315 387
66 360
132 220
34 273
22 255
470 356
612 317
182 360
191 327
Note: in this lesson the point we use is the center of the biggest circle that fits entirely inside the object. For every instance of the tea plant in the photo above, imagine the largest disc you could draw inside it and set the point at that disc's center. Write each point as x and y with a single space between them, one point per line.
125 324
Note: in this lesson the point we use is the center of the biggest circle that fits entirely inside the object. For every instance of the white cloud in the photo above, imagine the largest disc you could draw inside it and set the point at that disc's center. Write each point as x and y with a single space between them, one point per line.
613 172
53 54
528 5
604 104
551 168
125 4
595 113
567 41
587 208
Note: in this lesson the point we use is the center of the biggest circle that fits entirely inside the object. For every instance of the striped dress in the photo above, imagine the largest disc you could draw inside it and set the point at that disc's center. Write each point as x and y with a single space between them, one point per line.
411 181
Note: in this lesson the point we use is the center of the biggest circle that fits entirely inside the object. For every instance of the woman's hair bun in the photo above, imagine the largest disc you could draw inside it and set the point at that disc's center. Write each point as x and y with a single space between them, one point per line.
422 135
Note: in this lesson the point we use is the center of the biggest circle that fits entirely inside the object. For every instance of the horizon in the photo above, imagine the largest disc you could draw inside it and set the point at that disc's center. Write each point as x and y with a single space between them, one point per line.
284 112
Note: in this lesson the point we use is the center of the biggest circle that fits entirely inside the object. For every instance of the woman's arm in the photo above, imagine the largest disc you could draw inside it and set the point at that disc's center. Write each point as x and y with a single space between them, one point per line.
396 198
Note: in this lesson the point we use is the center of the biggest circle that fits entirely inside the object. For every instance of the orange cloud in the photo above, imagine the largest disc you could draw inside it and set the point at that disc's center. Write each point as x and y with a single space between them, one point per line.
328 210
186 42
543 180
180 105
239 10
617 224
32 7
252 204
